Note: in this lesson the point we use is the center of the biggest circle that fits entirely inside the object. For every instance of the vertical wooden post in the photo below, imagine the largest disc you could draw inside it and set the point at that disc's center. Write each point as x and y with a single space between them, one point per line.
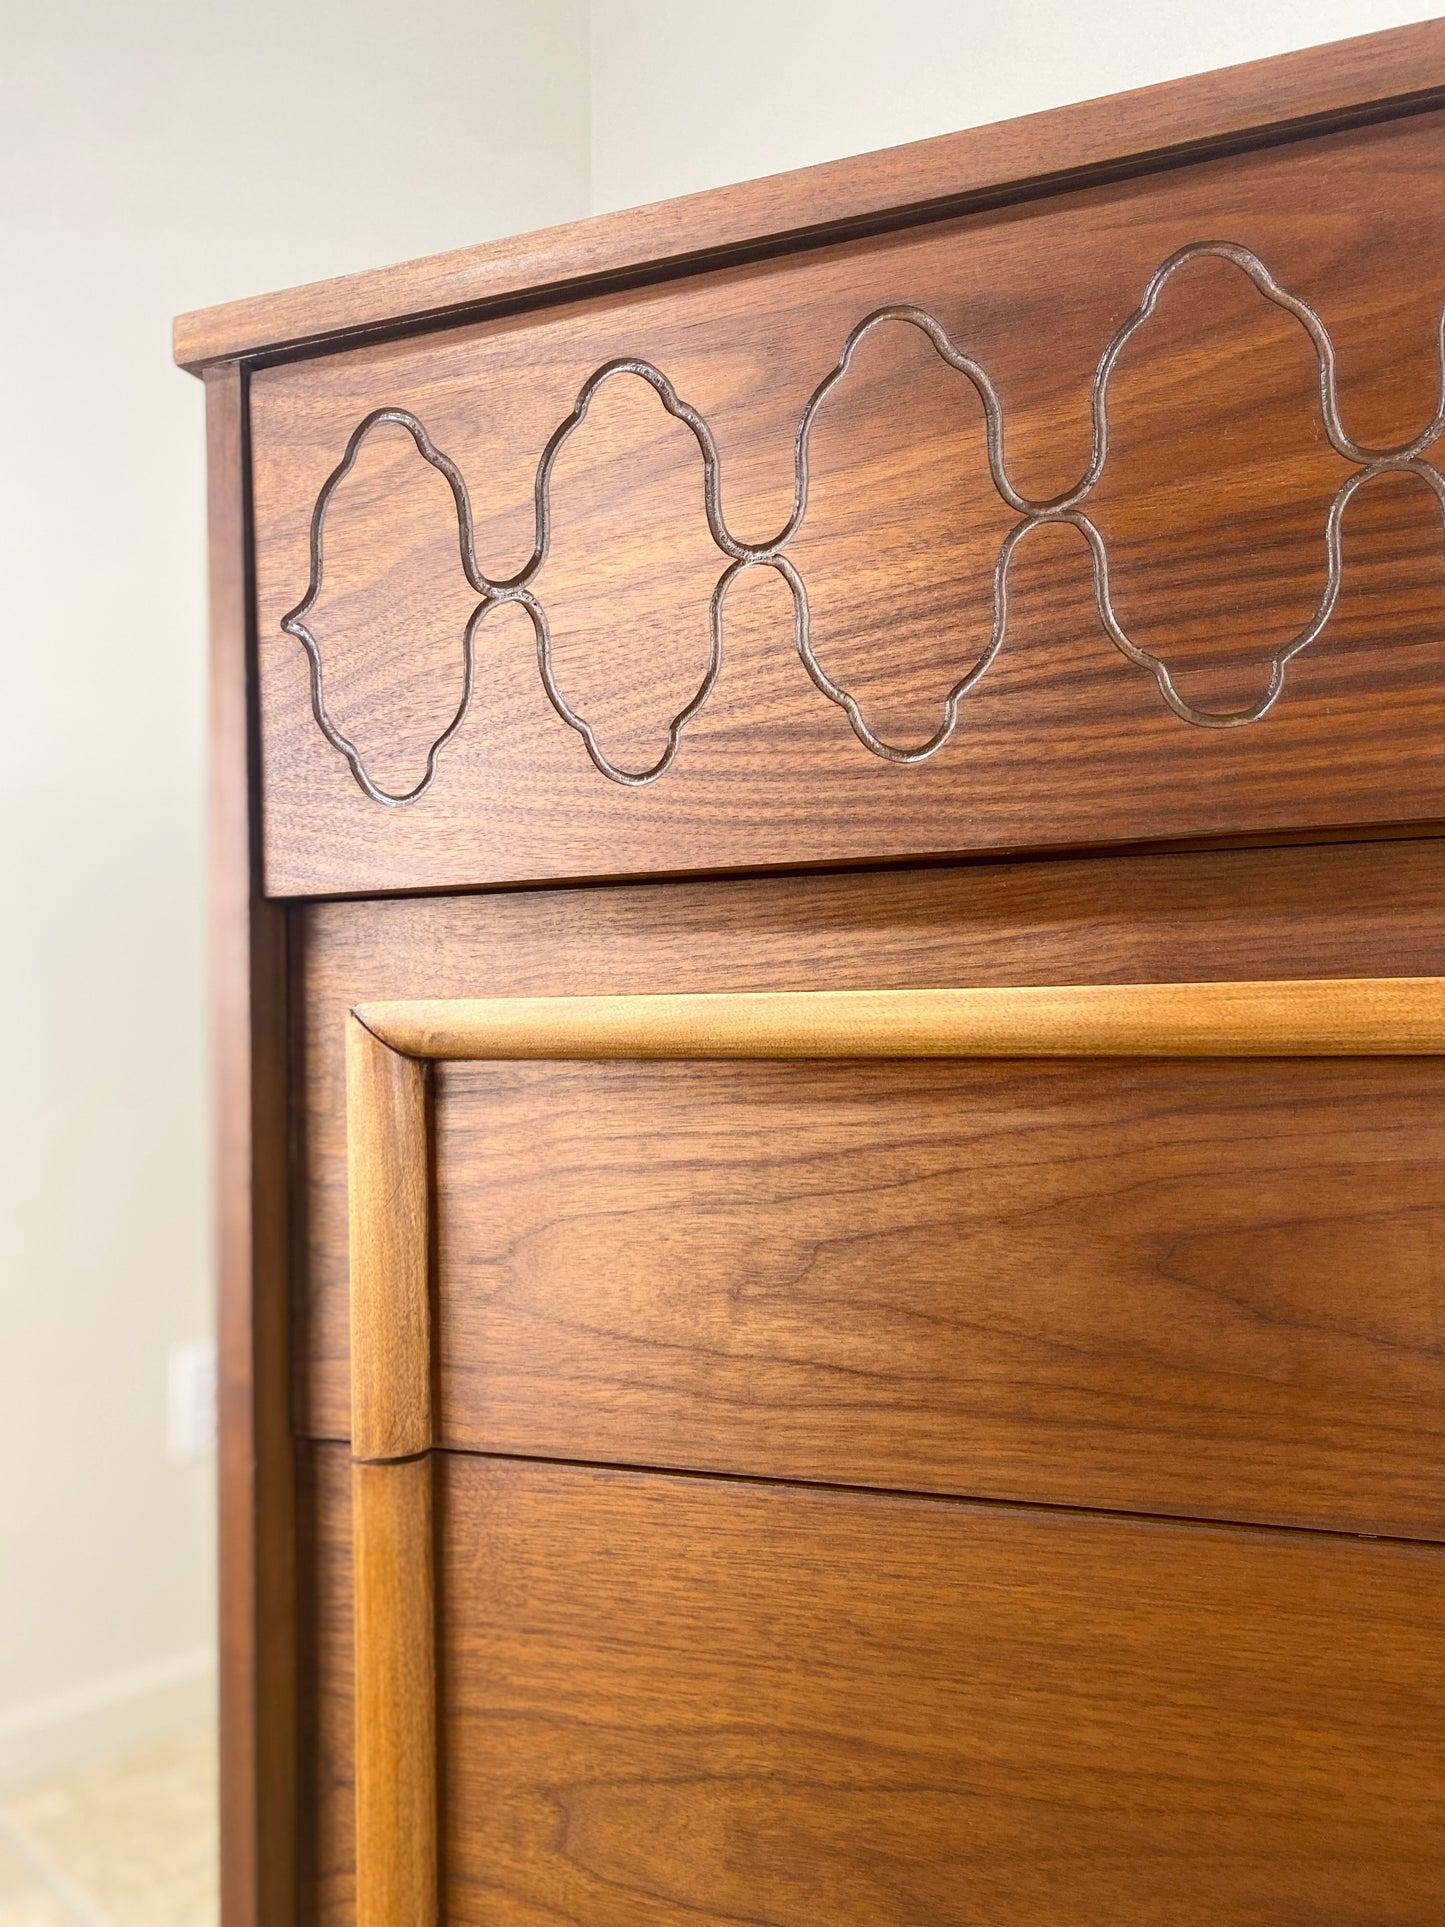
255 1456
391 1436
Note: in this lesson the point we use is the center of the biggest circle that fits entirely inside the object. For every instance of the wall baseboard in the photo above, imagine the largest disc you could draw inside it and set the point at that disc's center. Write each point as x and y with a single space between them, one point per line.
106 1716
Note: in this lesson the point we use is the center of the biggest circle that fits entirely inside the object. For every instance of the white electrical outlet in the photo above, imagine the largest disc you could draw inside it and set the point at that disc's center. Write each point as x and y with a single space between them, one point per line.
191 1400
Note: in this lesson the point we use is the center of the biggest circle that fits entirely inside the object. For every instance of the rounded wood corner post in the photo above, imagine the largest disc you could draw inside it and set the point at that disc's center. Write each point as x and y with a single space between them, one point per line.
391 1432
255 1461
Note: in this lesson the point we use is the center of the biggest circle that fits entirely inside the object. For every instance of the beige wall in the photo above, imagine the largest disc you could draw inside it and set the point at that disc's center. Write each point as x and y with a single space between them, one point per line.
157 156
154 157
688 96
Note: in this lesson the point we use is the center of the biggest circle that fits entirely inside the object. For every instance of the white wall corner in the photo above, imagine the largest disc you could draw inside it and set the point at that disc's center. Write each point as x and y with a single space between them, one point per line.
106 1716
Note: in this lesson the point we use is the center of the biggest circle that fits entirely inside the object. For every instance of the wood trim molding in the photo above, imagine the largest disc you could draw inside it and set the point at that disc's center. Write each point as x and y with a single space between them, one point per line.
1372 77
390 1314
388 1185
388 1046
393 1547
1326 1017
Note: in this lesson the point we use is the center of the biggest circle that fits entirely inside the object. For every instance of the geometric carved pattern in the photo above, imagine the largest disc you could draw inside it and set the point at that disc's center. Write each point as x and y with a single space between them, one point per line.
1067 507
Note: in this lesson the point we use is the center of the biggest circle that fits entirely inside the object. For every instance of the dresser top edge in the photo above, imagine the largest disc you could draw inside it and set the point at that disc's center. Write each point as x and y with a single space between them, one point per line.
1370 77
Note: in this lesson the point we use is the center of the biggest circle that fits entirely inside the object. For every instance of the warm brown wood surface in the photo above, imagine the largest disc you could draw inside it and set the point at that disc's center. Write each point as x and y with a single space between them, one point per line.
388 1183
1266 99
1293 1017
718 1278
714 1274
1301 1667
1212 508
326 1862
673 1700
396 1699
1326 911
388 1245
1203 1289
249 988
1210 1289
1207 1289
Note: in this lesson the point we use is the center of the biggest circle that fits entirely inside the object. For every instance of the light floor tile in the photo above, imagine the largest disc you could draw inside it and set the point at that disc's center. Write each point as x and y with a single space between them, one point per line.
15 1874
136 1836
34 1908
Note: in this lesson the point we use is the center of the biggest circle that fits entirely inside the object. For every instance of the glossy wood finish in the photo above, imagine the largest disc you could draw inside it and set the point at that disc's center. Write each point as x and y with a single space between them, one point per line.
1210 1290
1156 126
1204 1288
678 1700
396 1701
1212 510
388 1183
389 1249
258 1688
1212 1775
397 1763
1330 1017
326 1751
1327 911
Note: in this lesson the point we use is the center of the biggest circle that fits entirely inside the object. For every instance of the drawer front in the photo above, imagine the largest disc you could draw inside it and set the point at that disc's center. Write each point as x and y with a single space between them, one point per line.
831 1707
1265 1181
676 1700
731 1219
1122 1249
1208 1289
1085 557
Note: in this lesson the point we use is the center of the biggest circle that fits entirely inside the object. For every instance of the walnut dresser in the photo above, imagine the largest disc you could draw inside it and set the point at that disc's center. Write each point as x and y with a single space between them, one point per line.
831 973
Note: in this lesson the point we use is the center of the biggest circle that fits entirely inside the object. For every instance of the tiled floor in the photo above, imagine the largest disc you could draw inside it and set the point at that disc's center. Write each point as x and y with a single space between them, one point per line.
131 1843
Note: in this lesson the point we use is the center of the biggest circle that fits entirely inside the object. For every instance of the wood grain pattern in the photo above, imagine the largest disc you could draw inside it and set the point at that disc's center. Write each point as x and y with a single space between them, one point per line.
389 1182
396 1723
1211 1289
256 1543
326 1619
388 1242
1212 508
388 1171
1329 911
1154 126
1196 1287
1326 1017
395 1546
673 1699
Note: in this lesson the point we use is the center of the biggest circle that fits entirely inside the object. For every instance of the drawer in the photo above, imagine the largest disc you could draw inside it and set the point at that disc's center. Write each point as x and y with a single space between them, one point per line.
1227 623
1210 1289
671 1699
994 1240
1206 1289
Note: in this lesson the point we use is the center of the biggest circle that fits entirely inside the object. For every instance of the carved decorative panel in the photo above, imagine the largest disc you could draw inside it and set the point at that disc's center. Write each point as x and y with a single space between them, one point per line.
1113 516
